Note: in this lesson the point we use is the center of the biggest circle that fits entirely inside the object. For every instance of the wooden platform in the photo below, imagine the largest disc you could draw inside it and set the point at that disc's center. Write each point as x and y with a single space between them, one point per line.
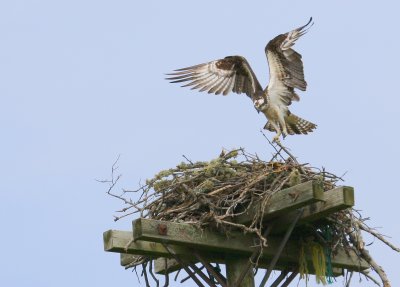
157 239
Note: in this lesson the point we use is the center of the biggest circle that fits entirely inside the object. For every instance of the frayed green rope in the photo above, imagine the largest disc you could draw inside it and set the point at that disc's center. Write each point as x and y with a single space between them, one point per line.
327 234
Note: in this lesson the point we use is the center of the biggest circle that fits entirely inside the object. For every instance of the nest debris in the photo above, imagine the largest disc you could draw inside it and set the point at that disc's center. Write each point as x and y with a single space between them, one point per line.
212 193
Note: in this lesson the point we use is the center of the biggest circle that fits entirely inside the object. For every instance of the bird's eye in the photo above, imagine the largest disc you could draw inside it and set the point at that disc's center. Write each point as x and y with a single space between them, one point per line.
259 102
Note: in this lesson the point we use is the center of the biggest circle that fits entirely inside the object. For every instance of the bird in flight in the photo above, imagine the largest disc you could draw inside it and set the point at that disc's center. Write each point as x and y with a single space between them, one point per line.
234 74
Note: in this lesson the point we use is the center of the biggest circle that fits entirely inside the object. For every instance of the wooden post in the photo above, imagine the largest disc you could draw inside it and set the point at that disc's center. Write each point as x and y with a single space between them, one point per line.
234 267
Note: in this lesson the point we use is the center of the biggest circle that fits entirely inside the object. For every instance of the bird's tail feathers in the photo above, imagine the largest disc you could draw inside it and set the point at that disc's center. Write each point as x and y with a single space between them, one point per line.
297 125
294 125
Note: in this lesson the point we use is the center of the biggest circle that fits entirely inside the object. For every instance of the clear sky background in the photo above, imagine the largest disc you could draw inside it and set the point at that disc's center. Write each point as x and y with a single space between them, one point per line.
83 81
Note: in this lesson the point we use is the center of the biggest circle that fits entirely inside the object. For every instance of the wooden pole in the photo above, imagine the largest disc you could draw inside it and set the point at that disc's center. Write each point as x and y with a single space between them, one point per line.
234 267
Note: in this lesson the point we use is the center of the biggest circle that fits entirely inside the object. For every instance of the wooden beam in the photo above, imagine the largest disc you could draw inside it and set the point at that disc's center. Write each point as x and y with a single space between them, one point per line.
172 265
286 200
334 200
337 199
122 242
116 241
127 259
186 235
234 267
190 236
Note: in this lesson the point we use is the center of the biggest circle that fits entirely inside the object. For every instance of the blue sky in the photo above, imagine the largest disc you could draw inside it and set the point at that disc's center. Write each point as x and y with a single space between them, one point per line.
83 81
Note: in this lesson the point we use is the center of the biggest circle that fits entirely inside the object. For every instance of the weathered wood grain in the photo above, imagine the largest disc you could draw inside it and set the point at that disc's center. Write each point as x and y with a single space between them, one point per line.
337 199
285 201
189 236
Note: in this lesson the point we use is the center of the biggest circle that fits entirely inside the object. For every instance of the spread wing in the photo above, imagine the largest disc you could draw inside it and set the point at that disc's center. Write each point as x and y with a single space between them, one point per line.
222 76
285 66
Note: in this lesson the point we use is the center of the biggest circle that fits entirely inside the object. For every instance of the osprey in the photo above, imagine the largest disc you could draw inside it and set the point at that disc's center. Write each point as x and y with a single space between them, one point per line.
233 73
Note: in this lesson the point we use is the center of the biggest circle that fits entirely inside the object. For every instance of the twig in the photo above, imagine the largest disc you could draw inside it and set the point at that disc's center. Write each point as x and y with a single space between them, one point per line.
276 150
152 274
357 240
166 283
348 279
370 278
177 273
364 227
187 159
145 274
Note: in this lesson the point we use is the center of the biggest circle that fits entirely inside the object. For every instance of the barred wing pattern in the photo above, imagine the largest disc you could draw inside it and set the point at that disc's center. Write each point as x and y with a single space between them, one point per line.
233 73
285 66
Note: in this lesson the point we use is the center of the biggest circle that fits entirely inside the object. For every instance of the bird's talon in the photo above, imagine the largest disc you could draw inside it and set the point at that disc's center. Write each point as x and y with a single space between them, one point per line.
276 140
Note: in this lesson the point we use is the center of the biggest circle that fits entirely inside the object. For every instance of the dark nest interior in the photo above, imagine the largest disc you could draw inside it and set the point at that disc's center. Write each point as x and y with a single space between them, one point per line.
211 194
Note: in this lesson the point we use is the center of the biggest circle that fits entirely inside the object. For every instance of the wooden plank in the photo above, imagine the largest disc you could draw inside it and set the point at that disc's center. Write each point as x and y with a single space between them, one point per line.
334 200
117 241
121 242
190 236
337 199
186 235
172 265
286 200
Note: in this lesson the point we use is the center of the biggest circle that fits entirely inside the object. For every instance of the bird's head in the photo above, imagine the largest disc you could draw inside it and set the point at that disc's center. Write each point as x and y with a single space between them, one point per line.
259 104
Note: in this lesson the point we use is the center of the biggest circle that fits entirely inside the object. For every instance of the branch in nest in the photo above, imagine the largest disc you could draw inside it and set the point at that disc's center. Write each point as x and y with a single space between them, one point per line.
376 234
370 277
358 242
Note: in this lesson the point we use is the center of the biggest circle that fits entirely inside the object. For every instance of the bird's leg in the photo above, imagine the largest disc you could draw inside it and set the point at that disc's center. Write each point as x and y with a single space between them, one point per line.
276 138
278 131
284 129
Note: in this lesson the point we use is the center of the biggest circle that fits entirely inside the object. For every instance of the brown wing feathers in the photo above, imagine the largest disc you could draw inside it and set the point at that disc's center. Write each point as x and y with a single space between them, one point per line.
222 76
291 65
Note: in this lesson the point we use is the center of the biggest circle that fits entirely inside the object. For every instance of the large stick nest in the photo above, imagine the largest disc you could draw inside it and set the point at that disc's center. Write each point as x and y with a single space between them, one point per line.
213 193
